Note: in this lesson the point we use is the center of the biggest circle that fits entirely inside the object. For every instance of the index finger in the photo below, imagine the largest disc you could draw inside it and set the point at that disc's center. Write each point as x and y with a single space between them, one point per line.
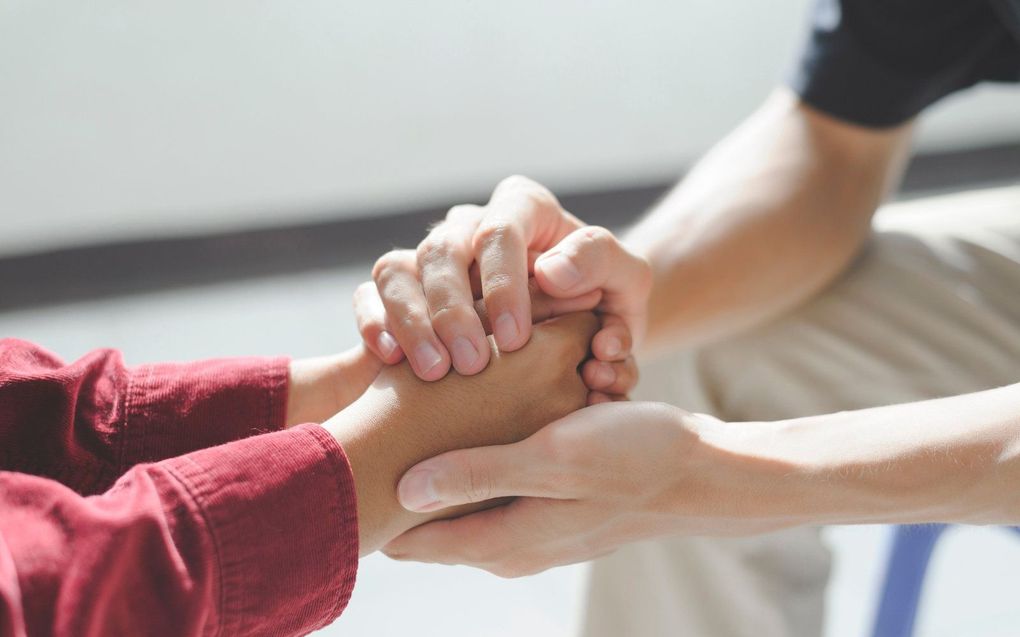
520 215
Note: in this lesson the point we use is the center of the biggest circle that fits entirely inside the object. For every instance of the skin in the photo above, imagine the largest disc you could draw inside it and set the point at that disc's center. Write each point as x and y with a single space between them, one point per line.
612 474
399 420
320 387
768 218
488 254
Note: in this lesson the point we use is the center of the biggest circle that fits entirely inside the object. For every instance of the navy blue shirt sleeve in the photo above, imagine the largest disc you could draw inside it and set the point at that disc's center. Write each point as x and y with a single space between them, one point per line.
879 63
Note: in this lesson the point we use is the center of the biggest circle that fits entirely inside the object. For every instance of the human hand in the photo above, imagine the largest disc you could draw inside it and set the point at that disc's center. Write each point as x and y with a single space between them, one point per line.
592 481
320 387
401 420
422 302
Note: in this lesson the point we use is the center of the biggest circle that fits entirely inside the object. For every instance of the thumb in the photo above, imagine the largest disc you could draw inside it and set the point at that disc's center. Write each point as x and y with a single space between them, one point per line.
472 475
591 258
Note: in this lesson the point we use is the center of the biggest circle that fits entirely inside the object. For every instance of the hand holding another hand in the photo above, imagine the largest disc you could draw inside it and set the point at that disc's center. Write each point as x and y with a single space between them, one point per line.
597 478
422 303
401 420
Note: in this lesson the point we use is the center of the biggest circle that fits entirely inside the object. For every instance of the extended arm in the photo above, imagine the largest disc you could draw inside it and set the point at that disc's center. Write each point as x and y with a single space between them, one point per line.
948 460
631 471
259 535
85 423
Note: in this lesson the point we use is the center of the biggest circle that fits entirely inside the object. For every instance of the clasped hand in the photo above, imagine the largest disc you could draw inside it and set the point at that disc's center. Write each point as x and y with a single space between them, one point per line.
584 483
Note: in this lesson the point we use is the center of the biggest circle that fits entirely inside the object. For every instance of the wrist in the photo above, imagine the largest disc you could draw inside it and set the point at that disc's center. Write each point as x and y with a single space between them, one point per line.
311 393
321 387
750 474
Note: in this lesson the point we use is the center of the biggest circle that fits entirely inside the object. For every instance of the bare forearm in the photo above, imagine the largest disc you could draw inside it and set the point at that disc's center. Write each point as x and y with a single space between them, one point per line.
949 460
767 218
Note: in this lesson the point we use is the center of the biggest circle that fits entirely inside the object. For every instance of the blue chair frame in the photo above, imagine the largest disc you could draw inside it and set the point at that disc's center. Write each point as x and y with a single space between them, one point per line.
912 547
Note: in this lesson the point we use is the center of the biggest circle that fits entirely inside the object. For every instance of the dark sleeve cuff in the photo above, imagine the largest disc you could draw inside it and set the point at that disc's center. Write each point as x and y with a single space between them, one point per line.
173 409
282 512
837 76
880 64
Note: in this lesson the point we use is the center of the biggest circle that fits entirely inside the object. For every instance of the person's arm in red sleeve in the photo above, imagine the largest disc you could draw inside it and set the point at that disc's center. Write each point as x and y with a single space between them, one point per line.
255 537
85 423
262 535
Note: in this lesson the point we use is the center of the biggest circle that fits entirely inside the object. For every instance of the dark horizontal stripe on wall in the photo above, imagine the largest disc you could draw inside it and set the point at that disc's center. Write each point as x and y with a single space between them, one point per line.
101 271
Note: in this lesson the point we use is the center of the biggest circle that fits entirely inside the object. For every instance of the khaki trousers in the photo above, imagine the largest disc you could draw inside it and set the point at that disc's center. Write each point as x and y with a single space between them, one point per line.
930 309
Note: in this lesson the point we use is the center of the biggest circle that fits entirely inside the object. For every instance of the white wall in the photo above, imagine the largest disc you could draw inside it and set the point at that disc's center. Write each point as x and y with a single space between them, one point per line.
122 119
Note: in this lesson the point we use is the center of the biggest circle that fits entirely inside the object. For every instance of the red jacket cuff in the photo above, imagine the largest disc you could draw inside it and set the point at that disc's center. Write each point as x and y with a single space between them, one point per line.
282 513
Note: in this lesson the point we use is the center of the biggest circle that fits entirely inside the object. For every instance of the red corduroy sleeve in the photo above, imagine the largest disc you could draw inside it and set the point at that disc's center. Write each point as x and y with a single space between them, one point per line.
84 424
254 537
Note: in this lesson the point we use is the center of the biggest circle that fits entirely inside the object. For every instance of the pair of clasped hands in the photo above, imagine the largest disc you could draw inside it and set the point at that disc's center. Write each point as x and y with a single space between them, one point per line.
515 460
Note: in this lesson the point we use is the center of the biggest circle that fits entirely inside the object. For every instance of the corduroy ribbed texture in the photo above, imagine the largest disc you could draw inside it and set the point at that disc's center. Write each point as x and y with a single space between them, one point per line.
257 536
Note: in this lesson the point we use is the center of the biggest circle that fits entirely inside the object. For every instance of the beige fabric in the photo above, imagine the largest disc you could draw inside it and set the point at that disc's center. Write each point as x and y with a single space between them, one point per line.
932 308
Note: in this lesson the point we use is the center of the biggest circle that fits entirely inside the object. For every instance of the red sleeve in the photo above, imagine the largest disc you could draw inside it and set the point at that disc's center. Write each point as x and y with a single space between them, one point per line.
254 537
84 424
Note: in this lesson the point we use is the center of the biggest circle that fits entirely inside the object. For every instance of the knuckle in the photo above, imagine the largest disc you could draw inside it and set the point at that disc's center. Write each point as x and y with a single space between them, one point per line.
364 292
598 236
517 182
411 319
461 212
436 248
449 313
495 232
498 283
528 189
385 264
477 483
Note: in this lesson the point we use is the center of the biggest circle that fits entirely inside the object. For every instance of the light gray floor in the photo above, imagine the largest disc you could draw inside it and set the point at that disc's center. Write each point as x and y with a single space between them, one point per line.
975 576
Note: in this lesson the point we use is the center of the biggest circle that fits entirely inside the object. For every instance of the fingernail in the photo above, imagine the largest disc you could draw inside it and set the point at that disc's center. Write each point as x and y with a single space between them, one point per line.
417 493
505 330
427 357
560 271
613 346
604 375
464 353
387 344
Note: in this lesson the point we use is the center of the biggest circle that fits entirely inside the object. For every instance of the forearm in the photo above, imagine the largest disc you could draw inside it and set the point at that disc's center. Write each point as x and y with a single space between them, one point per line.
767 218
86 422
949 460
174 546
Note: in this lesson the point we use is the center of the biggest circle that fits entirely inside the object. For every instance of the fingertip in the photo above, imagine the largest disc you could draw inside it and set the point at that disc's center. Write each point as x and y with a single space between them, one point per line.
558 272
469 356
597 397
387 348
598 374
416 491
611 344
510 332
430 361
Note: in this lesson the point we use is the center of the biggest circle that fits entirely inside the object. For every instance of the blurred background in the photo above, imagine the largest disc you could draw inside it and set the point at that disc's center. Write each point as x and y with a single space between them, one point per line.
187 180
